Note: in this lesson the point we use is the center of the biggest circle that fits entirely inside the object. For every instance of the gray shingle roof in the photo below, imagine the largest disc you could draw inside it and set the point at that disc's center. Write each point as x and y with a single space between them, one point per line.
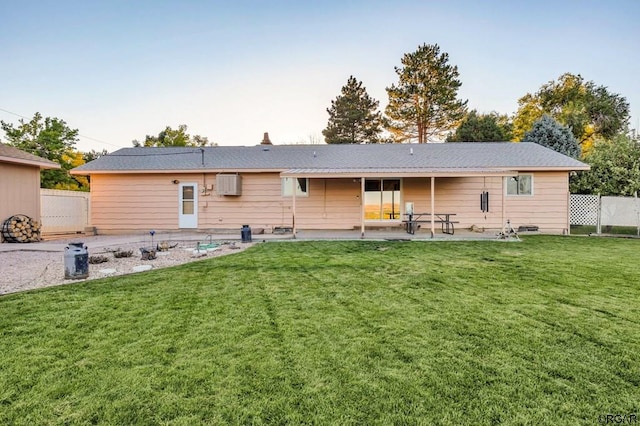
14 155
476 155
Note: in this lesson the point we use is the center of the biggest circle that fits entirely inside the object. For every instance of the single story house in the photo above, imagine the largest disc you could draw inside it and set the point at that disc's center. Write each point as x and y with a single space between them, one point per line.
296 187
20 182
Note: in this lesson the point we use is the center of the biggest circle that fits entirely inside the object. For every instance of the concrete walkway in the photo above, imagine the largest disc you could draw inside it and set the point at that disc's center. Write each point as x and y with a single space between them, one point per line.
59 242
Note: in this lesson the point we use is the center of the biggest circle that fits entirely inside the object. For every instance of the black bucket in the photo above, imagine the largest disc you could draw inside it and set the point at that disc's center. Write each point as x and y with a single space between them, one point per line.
245 234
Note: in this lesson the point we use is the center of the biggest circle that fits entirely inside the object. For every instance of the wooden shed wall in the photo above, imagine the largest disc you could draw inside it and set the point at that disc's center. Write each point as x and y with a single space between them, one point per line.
19 191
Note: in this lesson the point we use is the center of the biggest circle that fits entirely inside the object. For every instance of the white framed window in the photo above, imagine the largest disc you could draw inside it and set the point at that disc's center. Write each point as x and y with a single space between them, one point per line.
520 185
302 187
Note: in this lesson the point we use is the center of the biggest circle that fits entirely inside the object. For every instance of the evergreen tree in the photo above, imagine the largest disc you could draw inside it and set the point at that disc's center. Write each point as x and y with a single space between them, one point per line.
353 116
548 132
482 128
424 104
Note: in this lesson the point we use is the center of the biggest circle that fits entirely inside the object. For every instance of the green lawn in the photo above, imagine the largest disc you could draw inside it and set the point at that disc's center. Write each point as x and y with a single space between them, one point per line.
543 331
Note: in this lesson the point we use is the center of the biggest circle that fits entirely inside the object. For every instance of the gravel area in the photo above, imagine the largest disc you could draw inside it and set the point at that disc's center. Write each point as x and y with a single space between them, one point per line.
24 269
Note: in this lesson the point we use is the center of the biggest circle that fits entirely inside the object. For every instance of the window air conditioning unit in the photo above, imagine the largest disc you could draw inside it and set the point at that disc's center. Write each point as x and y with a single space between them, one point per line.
227 184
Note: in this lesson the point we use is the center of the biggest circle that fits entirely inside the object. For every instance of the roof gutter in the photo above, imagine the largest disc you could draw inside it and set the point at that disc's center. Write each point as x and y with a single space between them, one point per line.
169 171
40 164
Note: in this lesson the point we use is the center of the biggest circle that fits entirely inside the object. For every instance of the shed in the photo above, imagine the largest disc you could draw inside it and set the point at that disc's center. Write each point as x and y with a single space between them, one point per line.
20 182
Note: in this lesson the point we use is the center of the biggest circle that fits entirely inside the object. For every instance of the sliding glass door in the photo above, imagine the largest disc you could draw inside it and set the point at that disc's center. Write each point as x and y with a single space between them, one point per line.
382 199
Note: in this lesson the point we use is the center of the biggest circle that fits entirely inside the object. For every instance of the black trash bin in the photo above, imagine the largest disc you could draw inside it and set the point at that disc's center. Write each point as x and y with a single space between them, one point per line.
246 234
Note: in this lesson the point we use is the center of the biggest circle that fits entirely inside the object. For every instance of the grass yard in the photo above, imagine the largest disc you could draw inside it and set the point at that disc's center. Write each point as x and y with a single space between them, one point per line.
545 331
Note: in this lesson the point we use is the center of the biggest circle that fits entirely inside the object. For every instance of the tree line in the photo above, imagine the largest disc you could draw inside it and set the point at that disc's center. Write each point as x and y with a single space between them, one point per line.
423 106
570 115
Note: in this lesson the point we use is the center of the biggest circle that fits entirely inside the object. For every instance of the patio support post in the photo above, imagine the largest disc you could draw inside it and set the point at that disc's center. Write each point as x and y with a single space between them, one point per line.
504 207
362 207
294 184
433 205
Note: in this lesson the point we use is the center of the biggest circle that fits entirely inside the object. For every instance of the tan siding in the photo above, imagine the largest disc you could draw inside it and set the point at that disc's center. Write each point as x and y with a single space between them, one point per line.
460 196
122 203
137 203
19 191
332 204
260 205
547 208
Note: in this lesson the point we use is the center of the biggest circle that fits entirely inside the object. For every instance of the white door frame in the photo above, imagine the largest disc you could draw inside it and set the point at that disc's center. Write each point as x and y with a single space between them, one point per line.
188 220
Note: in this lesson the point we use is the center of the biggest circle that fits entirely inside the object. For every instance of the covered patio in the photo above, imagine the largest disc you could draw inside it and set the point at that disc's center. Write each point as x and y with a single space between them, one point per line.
387 202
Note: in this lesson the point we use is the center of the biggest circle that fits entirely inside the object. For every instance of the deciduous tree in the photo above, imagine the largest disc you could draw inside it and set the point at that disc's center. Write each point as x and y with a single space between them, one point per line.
173 137
424 105
93 155
615 168
482 128
548 132
589 110
353 116
49 138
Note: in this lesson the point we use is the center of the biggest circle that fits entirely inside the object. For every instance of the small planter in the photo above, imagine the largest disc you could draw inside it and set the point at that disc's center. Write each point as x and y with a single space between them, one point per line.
148 253
122 253
94 260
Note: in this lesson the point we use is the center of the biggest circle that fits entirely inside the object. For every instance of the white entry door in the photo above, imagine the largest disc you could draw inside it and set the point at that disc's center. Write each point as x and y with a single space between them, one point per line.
188 200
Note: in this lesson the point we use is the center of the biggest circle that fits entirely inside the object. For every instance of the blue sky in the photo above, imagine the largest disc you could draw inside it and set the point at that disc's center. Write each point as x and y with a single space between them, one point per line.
119 70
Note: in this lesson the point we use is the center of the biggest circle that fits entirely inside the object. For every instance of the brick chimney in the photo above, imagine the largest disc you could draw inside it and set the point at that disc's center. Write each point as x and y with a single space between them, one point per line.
266 140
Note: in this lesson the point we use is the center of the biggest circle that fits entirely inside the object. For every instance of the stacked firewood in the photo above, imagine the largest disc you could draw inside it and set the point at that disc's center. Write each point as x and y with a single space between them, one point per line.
21 229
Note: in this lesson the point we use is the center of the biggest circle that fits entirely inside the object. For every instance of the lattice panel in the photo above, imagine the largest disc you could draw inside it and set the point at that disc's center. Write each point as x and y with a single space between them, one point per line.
584 209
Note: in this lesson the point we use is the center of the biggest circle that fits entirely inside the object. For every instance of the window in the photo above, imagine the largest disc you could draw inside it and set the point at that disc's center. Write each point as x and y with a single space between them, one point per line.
302 187
520 185
382 199
187 199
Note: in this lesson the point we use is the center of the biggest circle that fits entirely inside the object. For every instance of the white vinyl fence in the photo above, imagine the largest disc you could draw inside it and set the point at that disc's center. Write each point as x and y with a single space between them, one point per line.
604 211
63 211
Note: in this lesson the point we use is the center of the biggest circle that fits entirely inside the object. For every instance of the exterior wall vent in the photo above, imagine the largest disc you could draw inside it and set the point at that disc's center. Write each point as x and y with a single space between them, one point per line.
227 184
